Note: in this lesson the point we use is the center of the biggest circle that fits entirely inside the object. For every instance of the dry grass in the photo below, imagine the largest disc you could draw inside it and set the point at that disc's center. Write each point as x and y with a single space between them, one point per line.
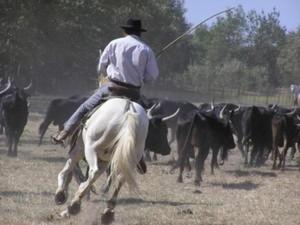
235 195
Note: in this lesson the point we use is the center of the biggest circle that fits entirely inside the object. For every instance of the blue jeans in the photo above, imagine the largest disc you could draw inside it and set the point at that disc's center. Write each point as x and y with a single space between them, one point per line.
84 108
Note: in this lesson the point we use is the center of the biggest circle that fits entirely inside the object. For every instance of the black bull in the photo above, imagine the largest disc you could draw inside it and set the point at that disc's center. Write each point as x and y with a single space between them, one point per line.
157 138
257 132
204 132
58 111
14 114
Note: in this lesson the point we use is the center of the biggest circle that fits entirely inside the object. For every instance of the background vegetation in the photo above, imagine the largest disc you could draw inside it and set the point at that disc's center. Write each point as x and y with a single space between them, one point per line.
55 43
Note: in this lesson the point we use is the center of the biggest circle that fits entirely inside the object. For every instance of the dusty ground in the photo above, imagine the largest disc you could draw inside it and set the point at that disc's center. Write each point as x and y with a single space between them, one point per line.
234 195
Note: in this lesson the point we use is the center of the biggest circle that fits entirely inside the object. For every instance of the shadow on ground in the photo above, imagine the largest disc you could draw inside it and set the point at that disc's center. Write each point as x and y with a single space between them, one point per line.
34 141
22 193
162 163
132 201
50 159
242 173
246 185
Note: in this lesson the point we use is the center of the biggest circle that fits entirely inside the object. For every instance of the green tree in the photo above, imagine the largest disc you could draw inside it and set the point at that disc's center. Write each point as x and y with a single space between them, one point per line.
240 50
265 39
289 59
56 42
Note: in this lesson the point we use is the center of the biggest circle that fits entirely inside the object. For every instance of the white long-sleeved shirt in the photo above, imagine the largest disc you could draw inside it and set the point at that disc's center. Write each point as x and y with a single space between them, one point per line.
129 60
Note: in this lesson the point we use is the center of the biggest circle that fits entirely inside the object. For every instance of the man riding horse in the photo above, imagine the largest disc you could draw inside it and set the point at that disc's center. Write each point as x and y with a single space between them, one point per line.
128 63
115 134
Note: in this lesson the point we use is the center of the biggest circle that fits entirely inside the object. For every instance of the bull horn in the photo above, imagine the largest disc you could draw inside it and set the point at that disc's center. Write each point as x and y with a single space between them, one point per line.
212 105
292 112
6 88
149 111
28 86
171 116
298 117
237 109
274 106
222 111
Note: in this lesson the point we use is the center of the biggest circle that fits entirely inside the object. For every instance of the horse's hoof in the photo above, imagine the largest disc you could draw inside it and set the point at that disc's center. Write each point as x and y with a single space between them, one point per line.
60 198
108 216
64 214
74 208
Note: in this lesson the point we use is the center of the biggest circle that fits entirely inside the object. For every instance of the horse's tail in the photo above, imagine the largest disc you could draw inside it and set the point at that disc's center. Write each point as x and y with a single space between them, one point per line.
125 156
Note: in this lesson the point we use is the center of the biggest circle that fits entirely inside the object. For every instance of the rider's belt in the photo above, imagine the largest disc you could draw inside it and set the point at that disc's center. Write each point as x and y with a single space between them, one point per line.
118 88
120 83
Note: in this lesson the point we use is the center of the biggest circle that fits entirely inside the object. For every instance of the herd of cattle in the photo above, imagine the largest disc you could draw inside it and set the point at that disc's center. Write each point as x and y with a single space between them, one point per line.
258 132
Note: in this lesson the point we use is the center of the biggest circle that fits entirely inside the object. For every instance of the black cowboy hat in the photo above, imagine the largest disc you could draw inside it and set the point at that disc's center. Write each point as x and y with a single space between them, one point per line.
133 24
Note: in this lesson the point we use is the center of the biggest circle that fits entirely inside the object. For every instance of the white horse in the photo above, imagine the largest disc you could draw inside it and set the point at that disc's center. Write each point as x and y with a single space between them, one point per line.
114 135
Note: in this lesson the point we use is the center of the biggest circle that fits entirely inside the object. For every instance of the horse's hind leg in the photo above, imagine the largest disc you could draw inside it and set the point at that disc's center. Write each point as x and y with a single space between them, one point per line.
111 203
65 176
108 214
79 178
94 173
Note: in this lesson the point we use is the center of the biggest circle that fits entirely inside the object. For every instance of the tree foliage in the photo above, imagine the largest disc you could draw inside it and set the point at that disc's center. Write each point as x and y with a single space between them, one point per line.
55 43
247 50
289 59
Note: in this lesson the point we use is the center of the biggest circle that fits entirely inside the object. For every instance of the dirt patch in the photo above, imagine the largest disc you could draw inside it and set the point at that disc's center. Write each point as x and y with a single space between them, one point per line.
234 195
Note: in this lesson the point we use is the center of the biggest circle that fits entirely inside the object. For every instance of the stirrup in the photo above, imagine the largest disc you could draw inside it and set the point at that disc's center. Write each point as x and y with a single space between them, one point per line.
59 138
56 141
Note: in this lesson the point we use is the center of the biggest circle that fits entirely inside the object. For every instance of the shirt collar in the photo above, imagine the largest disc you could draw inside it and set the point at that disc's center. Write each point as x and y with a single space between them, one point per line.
134 36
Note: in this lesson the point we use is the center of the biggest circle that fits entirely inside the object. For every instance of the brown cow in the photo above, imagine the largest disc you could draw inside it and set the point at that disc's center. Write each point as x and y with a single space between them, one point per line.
285 134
